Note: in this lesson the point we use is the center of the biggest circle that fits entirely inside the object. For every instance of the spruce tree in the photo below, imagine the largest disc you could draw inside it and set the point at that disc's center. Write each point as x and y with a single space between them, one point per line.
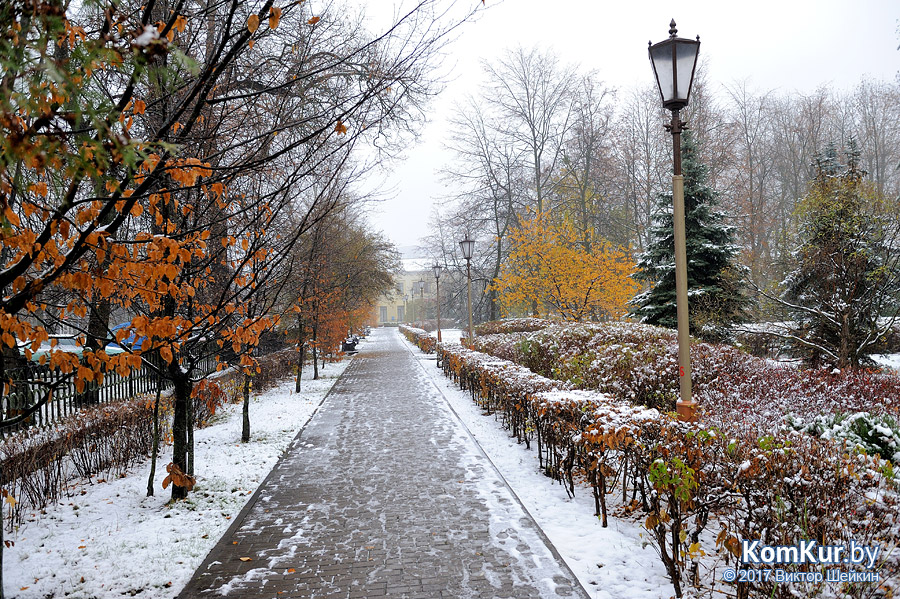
715 288
842 295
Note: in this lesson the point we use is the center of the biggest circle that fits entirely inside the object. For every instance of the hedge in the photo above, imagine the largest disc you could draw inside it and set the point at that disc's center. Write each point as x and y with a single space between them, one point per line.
697 489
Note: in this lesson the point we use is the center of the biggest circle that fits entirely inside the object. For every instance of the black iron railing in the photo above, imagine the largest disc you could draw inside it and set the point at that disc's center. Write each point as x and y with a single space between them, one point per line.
24 385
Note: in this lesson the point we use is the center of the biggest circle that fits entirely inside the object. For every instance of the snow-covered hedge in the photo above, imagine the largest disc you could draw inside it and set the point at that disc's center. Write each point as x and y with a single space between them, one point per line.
698 488
737 393
420 337
513 325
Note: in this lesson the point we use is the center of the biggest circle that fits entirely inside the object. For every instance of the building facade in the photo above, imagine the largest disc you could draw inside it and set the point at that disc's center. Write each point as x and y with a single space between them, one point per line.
412 298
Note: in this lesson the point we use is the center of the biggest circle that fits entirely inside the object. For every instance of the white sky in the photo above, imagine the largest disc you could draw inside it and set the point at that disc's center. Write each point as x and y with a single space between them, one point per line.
774 44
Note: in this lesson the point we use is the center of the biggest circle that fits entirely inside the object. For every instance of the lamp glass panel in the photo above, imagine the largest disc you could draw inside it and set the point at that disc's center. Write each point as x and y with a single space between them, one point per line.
467 245
685 57
661 55
437 270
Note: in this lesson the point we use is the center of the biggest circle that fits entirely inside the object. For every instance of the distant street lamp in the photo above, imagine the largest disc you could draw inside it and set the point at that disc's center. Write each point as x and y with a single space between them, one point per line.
437 297
674 61
405 309
421 284
467 246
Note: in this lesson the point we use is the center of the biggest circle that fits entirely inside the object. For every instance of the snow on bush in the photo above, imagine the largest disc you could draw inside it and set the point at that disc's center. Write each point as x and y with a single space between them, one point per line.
420 337
639 363
871 433
513 325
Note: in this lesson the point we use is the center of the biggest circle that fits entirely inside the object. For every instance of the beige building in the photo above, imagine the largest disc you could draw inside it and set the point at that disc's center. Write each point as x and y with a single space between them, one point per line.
409 301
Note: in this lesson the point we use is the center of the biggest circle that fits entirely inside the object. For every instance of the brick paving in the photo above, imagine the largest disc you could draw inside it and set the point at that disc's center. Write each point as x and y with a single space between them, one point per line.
383 494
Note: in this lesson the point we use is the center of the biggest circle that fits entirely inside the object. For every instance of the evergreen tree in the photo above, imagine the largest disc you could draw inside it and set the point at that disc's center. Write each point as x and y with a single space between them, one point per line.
842 293
715 287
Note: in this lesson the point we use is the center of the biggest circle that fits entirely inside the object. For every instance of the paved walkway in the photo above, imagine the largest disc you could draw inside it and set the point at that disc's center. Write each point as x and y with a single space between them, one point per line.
384 494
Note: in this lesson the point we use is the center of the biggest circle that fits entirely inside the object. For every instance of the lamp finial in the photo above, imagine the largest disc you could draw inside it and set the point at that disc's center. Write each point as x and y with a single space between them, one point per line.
672 31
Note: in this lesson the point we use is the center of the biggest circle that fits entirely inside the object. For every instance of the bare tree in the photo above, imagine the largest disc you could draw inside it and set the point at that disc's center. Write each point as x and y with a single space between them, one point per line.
490 168
877 108
642 158
753 175
530 94
584 185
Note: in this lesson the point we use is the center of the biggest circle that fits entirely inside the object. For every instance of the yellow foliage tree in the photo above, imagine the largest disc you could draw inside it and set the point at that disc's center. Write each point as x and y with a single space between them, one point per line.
549 267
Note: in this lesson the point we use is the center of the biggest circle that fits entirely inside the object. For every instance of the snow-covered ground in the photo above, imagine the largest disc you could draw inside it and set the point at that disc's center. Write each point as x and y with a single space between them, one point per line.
610 563
449 335
110 540
890 360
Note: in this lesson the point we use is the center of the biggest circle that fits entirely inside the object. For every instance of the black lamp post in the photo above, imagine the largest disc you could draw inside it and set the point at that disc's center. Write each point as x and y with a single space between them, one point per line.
674 61
437 297
467 246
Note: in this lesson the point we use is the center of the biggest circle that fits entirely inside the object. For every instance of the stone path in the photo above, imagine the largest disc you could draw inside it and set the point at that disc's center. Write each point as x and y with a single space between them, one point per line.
384 494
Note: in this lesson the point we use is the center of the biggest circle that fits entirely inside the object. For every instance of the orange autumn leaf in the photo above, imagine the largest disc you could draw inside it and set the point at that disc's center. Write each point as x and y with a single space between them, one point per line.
314 20
274 17
38 189
253 23
166 354
340 128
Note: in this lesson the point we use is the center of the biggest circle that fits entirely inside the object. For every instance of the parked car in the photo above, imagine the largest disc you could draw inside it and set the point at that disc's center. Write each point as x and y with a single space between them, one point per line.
68 344
131 342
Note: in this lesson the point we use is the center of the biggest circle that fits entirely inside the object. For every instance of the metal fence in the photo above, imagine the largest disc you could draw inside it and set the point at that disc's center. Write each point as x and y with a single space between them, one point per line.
29 383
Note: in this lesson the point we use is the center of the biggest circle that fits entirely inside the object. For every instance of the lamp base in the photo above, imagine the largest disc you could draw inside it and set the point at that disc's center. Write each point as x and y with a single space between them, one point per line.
687 410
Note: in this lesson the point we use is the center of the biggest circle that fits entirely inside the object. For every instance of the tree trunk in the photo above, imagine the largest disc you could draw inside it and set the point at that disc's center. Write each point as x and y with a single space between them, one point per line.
315 360
245 431
315 339
190 432
301 345
180 438
844 357
155 453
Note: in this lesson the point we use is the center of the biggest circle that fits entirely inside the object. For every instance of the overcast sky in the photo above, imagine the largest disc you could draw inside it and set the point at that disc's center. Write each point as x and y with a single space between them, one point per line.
773 44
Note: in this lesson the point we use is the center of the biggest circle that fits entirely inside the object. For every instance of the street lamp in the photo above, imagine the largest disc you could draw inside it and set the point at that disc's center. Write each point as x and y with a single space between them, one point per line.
674 61
437 297
421 284
467 246
405 309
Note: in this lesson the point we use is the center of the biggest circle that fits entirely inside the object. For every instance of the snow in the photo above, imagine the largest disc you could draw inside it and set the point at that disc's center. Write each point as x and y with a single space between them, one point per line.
609 563
449 335
108 539
892 361
147 36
